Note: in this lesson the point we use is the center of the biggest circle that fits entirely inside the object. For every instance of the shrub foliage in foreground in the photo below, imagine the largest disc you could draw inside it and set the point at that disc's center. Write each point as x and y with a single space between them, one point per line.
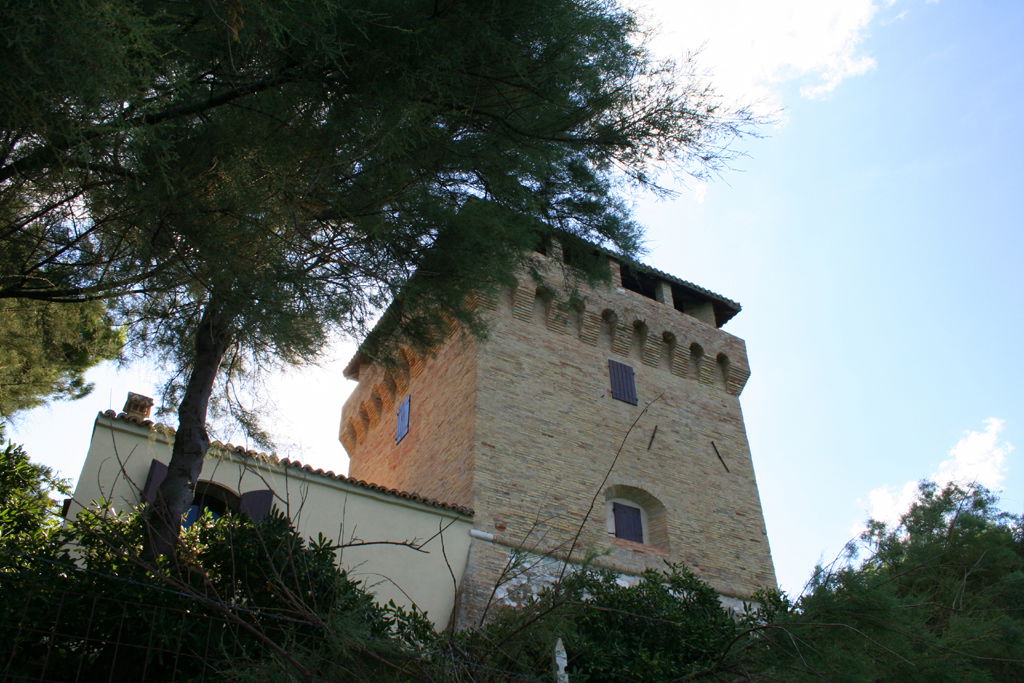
938 597
668 624
238 594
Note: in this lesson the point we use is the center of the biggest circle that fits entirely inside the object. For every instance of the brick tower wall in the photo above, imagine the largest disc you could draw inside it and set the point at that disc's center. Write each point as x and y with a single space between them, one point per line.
435 457
523 428
547 431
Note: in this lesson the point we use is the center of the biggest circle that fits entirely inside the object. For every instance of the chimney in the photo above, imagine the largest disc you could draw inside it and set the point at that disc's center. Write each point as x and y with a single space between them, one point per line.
138 406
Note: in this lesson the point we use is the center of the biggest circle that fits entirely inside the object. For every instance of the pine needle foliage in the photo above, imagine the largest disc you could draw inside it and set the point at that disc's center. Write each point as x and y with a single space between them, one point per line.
45 349
937 597
245 177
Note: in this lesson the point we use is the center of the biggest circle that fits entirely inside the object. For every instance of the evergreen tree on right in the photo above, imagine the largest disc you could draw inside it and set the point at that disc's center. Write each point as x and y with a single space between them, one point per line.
939 597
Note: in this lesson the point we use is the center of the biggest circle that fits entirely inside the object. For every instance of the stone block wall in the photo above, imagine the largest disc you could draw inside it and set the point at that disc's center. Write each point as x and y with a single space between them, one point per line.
524 429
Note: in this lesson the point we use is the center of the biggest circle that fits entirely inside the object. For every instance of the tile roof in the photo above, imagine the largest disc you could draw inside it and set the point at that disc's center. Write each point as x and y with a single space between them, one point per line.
295 464
729 303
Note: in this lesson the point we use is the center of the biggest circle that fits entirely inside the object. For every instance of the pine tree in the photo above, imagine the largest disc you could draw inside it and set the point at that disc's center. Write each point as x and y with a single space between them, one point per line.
246 177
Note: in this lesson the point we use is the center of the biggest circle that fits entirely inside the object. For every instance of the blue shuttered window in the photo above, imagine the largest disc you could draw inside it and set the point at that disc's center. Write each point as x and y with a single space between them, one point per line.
156 476
256 504
628 522
623 383
403 420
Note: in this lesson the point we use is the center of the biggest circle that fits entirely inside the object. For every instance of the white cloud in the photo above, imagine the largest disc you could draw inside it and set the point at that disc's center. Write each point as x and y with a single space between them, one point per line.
898 17
977 458
754 53
754 48
887 504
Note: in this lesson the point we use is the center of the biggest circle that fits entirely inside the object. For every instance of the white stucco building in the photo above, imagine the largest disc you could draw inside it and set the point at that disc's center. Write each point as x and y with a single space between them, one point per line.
425 542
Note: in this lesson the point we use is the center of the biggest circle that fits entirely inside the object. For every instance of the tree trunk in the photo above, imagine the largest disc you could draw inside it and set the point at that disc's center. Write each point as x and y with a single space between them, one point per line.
163 519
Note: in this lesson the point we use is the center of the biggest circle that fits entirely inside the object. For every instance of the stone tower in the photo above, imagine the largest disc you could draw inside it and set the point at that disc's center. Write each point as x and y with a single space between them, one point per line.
613 419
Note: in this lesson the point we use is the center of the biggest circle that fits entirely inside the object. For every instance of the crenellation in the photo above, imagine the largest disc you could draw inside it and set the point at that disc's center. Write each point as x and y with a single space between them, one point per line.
622 339
664 293
638 340
412 361
556 252
736 379
400 377
707 370
523 299
384 395
681 361
652 354
616 273
488 301
371 409
558 319
348 437
359 427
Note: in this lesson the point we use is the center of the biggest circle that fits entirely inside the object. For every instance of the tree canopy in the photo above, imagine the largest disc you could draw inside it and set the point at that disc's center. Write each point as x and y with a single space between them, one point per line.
27 513
245 177
45 349
132 158
939 596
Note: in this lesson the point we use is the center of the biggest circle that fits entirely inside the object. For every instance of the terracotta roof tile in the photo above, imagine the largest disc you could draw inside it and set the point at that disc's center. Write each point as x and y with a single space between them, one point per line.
295 464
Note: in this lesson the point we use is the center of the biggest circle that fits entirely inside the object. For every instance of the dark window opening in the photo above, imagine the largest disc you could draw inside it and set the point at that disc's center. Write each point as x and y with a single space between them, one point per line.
683 299
639 282
629 524
687 301
209 496
623 382
403 420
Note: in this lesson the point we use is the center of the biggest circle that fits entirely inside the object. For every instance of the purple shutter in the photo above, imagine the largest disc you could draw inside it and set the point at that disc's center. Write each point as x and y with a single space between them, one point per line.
623 382
403 420
156 476
628 522
256 504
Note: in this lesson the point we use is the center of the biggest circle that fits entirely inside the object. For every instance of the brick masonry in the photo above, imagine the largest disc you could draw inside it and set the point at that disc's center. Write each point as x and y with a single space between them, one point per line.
522 427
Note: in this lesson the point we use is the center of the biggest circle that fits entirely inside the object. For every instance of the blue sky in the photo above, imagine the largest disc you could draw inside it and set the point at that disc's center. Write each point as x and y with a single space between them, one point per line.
871 237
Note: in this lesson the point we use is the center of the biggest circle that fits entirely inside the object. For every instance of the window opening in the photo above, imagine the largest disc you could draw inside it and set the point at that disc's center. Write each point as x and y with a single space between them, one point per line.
639 282
403 420
635 515
623 382
628 521
213 497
